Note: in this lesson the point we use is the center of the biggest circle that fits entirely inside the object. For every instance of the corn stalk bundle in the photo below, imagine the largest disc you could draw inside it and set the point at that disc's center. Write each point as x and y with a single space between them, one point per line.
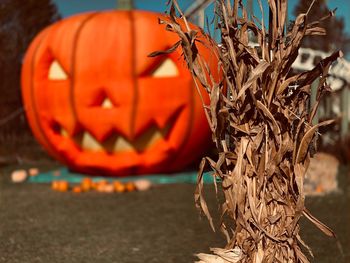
261 122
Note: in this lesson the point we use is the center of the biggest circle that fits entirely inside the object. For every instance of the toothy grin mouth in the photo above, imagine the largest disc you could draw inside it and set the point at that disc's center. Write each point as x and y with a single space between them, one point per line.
116 143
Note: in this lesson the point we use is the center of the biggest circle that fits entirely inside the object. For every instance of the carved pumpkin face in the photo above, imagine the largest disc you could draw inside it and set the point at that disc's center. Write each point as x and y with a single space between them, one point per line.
96 102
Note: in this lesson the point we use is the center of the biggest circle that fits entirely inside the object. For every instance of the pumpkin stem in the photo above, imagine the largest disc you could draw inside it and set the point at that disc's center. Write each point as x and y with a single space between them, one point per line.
125 4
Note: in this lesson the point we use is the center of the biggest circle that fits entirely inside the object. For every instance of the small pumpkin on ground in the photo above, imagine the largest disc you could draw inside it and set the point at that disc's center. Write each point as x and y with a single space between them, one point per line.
60 186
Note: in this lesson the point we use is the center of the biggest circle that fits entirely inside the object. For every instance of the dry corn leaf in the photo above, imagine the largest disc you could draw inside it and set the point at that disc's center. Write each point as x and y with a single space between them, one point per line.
260 119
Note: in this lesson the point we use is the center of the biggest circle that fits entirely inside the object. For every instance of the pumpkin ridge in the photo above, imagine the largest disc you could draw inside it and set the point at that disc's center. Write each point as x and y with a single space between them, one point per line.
134 75
49 145
73 62
189 129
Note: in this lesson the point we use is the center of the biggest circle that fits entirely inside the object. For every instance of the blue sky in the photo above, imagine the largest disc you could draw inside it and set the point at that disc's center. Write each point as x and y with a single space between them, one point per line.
70 7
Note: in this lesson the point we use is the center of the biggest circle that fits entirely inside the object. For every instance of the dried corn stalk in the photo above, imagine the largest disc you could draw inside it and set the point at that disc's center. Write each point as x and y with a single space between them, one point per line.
261 122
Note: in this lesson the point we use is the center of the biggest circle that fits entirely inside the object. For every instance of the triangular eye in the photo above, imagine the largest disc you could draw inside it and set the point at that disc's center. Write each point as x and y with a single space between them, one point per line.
166 69
56 72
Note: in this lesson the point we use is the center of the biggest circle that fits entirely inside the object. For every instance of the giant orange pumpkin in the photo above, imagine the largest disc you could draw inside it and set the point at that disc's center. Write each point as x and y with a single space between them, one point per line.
96 102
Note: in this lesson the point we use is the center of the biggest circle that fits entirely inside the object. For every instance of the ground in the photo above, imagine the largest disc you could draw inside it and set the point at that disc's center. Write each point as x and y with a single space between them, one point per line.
159 225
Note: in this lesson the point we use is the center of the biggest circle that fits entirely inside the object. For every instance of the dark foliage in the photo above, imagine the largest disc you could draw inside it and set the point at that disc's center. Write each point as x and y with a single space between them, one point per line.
335 39
20 21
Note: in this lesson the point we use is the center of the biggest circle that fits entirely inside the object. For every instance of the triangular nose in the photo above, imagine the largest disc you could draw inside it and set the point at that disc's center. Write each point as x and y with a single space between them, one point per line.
107 103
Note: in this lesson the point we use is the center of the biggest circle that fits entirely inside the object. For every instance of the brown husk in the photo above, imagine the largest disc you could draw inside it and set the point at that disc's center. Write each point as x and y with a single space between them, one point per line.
261 125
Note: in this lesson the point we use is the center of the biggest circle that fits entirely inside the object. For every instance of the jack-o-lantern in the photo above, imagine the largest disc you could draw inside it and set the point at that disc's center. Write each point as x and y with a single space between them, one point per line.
97 103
